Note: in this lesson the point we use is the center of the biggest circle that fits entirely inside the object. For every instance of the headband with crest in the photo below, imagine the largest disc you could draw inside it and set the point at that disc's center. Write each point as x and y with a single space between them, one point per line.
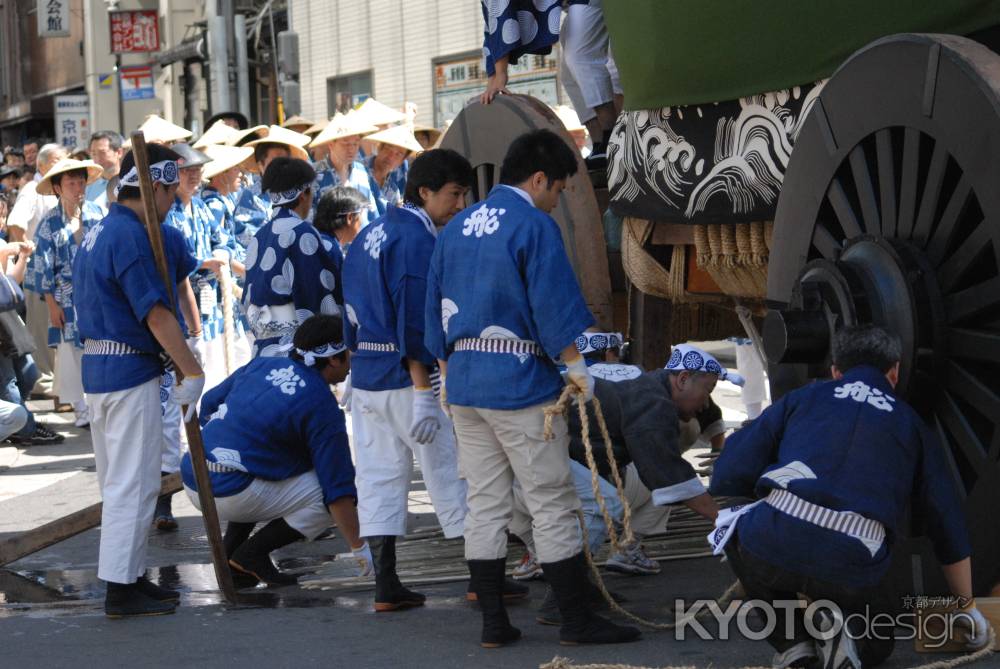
593 342
287 196
325 351
692 359
164 172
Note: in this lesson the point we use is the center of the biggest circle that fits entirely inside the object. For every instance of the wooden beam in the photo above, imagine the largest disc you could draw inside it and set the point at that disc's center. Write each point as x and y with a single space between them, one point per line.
672 234
31 541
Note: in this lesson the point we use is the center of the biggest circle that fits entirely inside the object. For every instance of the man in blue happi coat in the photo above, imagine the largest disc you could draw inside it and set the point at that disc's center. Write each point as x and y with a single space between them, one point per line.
126 322
277 452
396 414
835 465
502 305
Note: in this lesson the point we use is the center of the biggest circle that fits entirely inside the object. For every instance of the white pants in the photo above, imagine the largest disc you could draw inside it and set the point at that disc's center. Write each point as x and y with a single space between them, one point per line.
69 373
754 391
497 447
299 500
170 460
588 71
383 454
126 429
36 318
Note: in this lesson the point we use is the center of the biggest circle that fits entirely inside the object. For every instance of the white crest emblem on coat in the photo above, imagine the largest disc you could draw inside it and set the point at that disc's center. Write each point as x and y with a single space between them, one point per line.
351 316
793 471
229 458
373 241
497 332
483 221
286 379
448 309
90 238
859 391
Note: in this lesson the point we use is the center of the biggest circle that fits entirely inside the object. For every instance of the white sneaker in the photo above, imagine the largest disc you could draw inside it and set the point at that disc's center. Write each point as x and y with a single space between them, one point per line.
801 654
839 652
528 569
82 412
633 560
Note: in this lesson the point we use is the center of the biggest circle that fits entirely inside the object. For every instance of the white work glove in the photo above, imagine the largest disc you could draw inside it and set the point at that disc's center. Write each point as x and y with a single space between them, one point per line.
425 416
365 561
972 626
345 394
197 347
578 374
188 392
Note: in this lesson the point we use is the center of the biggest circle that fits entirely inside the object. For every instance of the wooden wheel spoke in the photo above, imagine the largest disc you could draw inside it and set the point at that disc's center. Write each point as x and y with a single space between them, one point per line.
886 180
908 184
825 242
932 193
949 456
972 301
944 233
842 207
967 387
974 344
964 436
866 190
964 257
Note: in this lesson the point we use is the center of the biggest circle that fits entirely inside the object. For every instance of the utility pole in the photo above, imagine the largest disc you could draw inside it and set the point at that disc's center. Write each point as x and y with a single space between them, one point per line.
242 66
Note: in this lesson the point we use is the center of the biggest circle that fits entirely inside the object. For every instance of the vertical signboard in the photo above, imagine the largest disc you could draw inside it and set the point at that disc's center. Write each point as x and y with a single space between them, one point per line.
72 126
53 18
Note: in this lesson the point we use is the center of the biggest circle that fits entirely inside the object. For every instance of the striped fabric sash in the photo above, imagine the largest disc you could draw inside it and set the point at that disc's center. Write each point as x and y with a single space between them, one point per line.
377 347
869 532
515 346
108 347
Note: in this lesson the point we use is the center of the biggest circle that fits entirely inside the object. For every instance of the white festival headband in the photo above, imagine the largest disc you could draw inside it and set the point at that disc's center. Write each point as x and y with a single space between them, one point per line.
689 358
164 172
325 351
592 342
287 196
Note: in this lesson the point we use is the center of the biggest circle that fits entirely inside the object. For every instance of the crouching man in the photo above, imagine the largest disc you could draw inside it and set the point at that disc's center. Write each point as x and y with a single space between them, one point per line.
834 465
277 451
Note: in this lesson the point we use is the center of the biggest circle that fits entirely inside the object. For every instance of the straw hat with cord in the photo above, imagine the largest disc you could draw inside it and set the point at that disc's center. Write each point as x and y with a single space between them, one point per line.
242 137
291 140
297 123
433 135
225 158
316 128
376 113
94 172
158 130
218 133
341 126
399 135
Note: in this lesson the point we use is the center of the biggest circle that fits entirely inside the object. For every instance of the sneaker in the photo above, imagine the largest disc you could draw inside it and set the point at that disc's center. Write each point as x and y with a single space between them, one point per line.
528 569
40 437
802 654
82 417
840 651
632 560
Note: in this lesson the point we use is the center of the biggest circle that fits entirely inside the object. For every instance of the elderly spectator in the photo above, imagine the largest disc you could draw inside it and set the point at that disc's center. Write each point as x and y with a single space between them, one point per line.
31 148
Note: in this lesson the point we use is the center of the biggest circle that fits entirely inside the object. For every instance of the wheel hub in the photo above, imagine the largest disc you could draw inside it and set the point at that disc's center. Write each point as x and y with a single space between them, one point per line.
873 280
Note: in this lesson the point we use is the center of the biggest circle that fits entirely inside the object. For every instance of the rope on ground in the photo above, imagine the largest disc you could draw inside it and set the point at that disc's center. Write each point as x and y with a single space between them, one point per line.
560 408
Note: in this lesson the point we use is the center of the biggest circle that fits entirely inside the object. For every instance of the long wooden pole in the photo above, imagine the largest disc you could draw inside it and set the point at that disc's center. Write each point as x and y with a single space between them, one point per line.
192 427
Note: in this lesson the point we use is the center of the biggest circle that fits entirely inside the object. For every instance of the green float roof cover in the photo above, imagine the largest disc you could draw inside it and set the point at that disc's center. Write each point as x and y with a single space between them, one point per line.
677 52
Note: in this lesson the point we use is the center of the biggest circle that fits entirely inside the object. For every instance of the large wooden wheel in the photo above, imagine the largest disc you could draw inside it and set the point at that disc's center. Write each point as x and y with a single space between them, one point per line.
482 133
890 213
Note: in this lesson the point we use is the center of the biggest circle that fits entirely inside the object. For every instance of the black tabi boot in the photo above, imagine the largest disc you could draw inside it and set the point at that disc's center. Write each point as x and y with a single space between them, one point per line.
129 601
548 612
235 536
512 591
150 589
580 624
488 582
390 595
253 557
163 516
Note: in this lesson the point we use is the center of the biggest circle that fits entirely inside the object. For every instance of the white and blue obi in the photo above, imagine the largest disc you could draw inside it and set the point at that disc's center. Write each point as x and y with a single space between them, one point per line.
116 284
502 303
385 283
50 267
290 277
273 419
840 454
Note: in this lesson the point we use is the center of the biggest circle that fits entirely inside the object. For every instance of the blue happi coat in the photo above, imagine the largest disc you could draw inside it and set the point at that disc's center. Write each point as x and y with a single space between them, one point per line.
290 277
499 271
514 28
252 211
385 283
50 267
116 284
847 445
274 419
391 193
203 235
359 177
223 209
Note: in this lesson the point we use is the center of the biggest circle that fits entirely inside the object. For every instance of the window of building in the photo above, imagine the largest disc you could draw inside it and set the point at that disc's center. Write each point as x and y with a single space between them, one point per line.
347 91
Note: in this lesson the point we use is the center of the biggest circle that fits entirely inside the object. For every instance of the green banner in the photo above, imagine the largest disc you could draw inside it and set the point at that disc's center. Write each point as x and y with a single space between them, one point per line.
676 52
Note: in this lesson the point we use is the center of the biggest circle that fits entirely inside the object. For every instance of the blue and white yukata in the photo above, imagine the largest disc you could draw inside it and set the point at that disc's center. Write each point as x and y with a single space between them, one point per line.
502 304
251 212
290 277
391 193
51 270
384 290
116 285
223 208
277 447
359 178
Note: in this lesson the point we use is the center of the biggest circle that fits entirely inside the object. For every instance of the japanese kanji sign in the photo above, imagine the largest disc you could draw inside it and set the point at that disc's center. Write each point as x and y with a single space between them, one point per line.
72 126
137 82
134 31
53 18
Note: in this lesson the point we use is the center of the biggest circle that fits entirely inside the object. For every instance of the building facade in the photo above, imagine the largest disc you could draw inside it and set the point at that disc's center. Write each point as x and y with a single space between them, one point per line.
425 52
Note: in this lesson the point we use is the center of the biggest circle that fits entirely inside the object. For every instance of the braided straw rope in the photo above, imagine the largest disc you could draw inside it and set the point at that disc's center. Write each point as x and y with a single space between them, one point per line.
559 409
